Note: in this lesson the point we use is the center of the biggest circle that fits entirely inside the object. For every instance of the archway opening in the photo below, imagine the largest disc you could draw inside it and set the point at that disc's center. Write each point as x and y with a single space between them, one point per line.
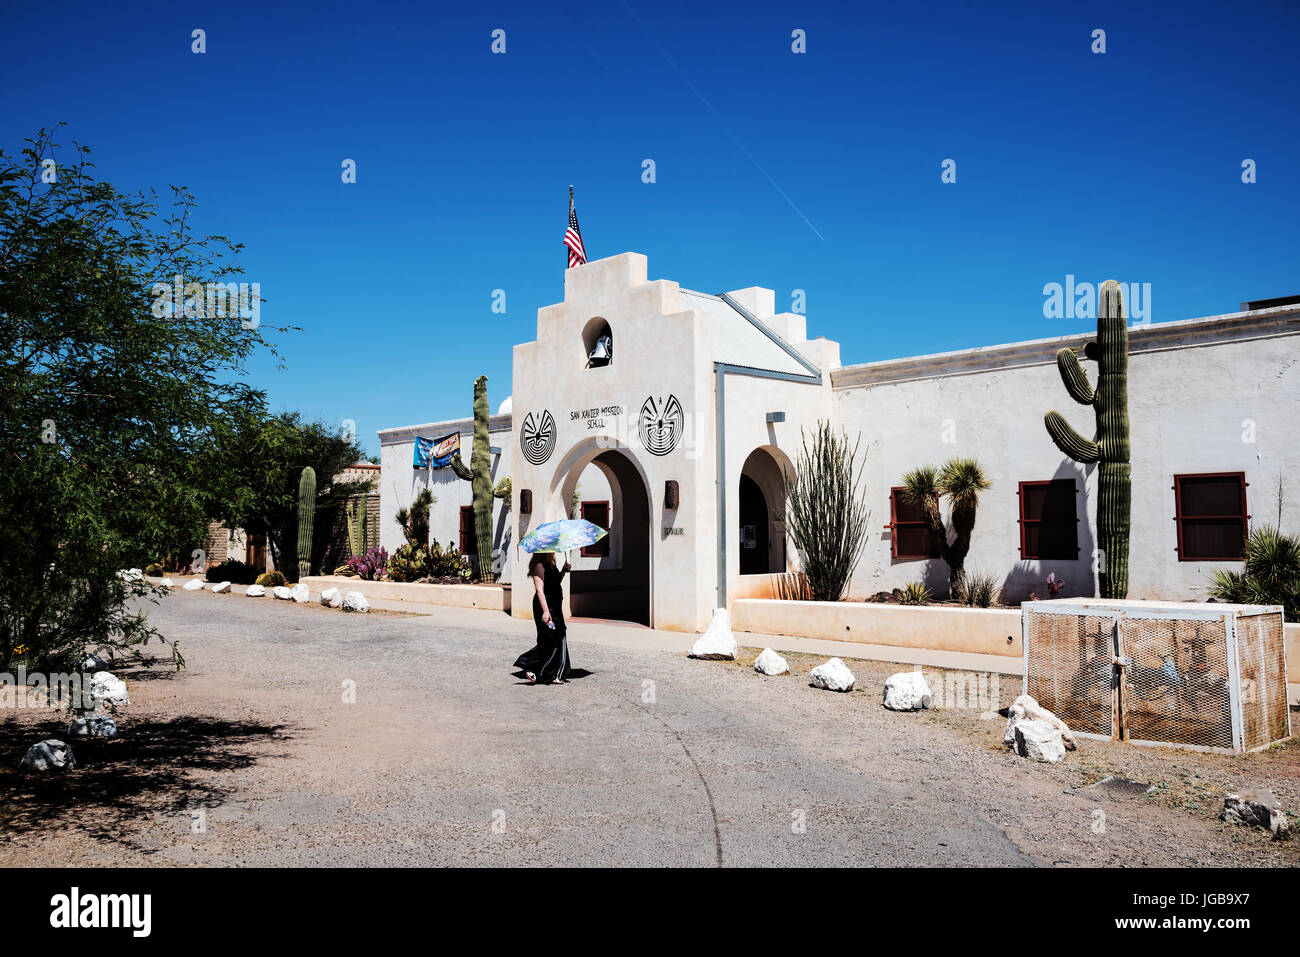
611 579
760 510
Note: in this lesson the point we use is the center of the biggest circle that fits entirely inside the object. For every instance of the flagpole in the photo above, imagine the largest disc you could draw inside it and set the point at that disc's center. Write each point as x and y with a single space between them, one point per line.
566 223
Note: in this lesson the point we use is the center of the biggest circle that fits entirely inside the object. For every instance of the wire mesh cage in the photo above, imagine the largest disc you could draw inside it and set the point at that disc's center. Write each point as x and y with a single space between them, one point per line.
1205 676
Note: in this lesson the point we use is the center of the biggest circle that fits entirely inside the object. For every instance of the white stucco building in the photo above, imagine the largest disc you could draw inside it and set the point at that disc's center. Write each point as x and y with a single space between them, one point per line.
679 444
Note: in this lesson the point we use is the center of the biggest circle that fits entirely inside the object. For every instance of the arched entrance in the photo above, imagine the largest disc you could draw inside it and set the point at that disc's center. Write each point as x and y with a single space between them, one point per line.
761 512
611 580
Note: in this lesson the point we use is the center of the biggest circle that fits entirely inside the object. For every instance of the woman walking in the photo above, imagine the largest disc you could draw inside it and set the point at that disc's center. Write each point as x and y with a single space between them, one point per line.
548 660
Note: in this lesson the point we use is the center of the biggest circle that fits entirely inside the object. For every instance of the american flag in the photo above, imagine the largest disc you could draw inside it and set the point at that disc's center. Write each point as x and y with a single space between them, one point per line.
573 238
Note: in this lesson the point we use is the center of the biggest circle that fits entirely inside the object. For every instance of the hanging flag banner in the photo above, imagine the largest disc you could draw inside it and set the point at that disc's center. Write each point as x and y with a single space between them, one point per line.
444 450
423 447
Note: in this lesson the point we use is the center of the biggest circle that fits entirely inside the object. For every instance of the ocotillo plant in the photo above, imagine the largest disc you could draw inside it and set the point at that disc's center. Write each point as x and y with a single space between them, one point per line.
1111 445
479 475
306 519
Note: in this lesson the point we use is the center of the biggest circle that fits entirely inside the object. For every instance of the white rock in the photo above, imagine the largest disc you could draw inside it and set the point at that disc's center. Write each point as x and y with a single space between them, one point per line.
93 726
770 663
130 575
282 592
331 597
301 593
220 588
1039 741
93 663
255 591
104 687
1025 707
717 643
194 584
167 583
48 755
355 601
834 675
1256 807
907 691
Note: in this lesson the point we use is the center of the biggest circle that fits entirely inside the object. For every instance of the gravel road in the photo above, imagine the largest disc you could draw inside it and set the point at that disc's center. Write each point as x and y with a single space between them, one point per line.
252 756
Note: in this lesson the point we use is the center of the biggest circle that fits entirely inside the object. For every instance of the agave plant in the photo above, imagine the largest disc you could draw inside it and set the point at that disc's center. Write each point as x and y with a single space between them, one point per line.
960 481
1271 575
828 513
915 593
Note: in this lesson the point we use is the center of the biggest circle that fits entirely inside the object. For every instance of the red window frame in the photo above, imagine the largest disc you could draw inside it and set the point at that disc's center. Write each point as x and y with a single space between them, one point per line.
1023 521
895 524
467 535
1180 517
599 549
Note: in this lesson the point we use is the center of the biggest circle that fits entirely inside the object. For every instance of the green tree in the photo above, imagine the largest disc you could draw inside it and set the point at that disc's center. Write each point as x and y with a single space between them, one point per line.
960 481
254 466
108 397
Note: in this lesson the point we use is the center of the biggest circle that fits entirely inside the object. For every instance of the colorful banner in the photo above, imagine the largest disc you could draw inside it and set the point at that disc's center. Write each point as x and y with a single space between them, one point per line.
423 447
444 450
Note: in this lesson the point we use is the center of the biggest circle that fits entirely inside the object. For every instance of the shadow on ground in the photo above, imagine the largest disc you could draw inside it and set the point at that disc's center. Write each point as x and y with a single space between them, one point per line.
151 769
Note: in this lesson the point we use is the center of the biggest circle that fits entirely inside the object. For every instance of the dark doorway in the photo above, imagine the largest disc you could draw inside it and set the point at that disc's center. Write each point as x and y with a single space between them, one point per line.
620 587
754 559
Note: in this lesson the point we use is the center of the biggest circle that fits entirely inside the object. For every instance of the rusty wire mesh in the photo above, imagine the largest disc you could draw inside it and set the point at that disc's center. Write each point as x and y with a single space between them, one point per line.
1177 688
1262 665
1069 668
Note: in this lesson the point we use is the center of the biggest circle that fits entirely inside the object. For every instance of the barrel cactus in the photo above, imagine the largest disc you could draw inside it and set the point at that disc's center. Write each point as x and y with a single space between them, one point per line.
1110 447
306 519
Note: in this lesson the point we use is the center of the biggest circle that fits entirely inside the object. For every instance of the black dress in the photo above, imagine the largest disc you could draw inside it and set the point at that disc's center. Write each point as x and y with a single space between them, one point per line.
549 658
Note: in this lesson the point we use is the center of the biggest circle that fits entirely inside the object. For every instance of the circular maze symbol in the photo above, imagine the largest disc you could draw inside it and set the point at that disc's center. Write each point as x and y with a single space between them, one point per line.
537 437
661 424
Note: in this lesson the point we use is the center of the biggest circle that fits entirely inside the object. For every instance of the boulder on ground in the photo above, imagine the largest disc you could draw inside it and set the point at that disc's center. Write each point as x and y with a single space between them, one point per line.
1039 741
104 687
255 591
1026 708
331 597
167 583
194 584
300 593
769 662
131 575
92 726
220 588
92 663
1256 807
355 601
282 592
907 691
834 675
717 643
48 755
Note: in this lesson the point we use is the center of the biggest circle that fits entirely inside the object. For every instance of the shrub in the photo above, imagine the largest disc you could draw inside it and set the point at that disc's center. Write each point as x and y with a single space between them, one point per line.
153 570
270 579
1271 575
234 571
449 563
915 594
828 513
371 565
981 590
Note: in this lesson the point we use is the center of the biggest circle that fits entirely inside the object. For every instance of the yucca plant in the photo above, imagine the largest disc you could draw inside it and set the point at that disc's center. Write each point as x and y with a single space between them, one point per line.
960 481
828 514
915 593
1271 575
415 520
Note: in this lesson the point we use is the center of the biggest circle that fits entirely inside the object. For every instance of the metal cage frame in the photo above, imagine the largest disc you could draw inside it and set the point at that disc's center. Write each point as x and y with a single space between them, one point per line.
1126 637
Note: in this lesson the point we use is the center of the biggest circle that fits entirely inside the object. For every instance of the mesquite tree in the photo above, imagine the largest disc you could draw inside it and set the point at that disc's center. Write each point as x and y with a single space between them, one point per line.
828 514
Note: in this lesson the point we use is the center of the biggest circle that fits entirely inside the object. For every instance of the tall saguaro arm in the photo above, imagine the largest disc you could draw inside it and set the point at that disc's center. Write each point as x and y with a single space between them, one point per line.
1110 448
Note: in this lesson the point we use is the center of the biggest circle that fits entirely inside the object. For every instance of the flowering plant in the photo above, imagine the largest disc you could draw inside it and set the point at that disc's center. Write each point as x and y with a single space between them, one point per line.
1054 585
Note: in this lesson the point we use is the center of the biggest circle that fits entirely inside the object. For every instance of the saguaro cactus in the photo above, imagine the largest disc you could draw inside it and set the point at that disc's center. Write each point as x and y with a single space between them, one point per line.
479 475
1110 448
306 519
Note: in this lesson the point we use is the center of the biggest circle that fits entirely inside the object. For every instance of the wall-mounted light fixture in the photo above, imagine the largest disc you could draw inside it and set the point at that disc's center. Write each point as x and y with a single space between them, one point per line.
672 495
775 417
494 449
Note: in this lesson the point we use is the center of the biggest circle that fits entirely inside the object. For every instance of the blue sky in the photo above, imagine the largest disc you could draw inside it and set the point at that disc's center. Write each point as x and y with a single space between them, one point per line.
816 171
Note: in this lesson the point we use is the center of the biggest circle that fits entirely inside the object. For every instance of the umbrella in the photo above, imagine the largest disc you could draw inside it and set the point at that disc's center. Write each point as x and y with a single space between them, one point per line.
562 536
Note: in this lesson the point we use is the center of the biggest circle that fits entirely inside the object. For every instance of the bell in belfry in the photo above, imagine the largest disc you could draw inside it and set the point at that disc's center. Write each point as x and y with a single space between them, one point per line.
602 352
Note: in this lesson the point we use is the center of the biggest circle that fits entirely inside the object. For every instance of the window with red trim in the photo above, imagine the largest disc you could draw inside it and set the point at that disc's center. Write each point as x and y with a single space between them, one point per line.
467 543
1210 512
598 514
1049 520
911 537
